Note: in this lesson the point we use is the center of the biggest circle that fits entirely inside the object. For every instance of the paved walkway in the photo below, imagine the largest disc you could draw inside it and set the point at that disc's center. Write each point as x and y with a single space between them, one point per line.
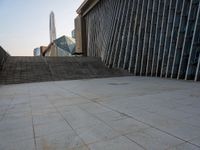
124 113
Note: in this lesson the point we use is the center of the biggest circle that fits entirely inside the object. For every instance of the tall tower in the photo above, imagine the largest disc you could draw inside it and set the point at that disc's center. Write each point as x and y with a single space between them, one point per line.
52 27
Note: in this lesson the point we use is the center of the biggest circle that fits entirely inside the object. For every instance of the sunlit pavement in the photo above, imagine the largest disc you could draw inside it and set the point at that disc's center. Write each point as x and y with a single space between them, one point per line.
123 113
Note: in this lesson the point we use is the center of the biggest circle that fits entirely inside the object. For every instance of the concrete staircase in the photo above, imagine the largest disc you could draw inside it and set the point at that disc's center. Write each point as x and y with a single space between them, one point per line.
37 69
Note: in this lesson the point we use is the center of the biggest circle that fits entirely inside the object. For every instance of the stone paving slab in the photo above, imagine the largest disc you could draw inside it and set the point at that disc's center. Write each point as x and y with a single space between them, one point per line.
129 113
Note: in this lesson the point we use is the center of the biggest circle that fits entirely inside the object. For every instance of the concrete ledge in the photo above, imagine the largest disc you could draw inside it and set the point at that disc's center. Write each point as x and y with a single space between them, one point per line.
86 6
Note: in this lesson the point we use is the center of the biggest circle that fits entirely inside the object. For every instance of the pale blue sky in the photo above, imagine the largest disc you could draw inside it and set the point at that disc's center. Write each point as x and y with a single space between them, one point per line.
24 24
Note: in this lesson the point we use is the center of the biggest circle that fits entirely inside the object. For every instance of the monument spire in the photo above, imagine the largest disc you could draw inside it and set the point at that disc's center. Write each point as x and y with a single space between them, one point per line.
52 27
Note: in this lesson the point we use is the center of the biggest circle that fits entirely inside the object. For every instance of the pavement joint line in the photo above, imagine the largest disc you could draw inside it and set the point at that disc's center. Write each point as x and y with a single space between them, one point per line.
153 126
34 136
6 111
95 117
90 99
33 127
95 99
76 93
67 123
113 128
139 120
135 142
177 145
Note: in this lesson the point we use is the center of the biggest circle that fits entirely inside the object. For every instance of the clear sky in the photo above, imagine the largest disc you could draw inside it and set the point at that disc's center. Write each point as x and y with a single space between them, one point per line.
24 24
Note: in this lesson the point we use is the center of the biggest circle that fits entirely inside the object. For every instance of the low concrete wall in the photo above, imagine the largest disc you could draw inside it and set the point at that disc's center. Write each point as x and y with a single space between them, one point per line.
3 57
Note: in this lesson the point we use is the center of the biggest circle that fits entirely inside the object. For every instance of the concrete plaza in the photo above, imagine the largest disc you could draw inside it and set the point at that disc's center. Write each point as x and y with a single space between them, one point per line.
122 113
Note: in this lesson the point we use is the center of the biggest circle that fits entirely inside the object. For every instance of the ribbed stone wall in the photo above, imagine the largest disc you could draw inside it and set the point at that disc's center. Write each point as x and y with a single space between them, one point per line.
147 37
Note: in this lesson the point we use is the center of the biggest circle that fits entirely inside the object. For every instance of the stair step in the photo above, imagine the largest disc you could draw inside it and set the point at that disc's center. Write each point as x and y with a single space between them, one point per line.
37 69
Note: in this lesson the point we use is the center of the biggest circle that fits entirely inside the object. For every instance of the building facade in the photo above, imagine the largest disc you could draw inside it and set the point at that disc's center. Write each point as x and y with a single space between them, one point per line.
147 37
52 27
37 52
63 46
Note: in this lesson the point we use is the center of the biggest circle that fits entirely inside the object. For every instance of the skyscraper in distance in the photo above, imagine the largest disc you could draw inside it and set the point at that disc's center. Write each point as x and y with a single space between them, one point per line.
52 27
